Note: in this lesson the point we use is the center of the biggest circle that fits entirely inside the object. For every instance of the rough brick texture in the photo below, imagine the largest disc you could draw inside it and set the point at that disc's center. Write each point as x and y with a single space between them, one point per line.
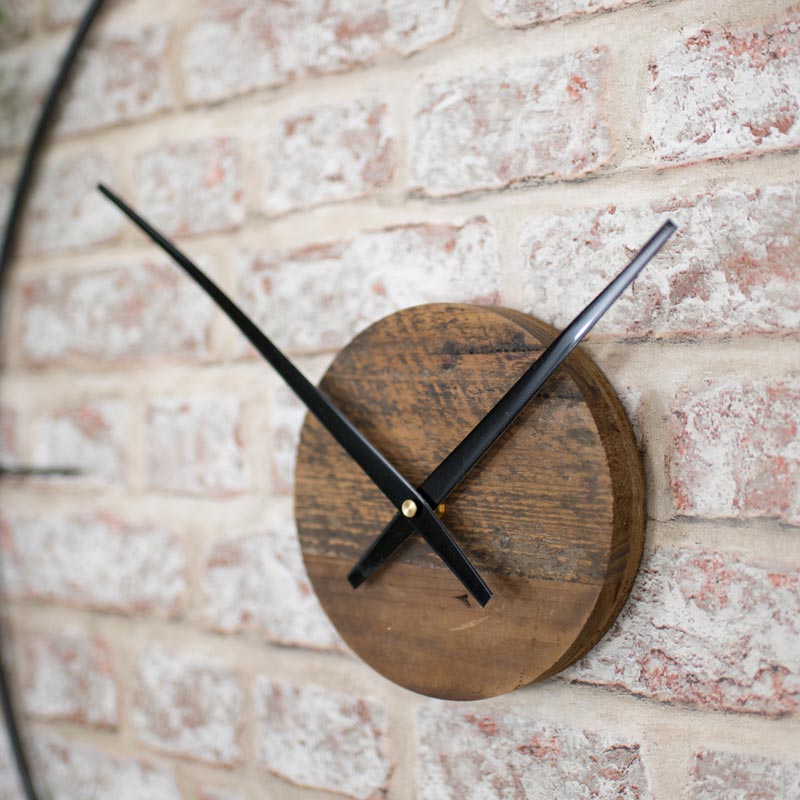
15 19
210 793
188 706
72 771
192 187
93 560
235 46
10 435
532 12
735 776
286 419
475 751
68 676
66 211
194 445
323 739
24 78
705 629
115 315
730 269
258 582
538 120
122 75
722 93
318 297
736 450
327 154
10 788
89 437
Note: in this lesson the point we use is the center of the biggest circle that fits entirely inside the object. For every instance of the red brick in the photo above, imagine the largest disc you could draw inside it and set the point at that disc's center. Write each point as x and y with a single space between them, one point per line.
114 316
736 450
89 437
68 675
328 154
188 706
328 740
25 76
316 298
235 46
15 19
122 75
194 445
730 269
537 120
72 771
192 187
258 582
521 13
736 776
475 750
708 630
66 211
93 560
722 92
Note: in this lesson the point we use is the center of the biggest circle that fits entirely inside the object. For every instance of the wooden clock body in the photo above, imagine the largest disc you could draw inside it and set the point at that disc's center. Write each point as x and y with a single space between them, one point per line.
553 517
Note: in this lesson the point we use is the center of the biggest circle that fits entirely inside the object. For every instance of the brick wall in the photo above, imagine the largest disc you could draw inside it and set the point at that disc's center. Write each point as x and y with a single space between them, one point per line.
330 163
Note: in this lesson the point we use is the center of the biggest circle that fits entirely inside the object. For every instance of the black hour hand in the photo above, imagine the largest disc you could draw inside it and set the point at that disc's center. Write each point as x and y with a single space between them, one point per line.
397 489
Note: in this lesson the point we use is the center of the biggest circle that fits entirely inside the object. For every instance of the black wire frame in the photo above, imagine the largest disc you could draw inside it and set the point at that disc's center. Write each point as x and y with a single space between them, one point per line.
26 174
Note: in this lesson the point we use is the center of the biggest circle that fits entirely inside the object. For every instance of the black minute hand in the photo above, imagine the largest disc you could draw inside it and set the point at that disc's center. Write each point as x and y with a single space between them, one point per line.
396 488
468 453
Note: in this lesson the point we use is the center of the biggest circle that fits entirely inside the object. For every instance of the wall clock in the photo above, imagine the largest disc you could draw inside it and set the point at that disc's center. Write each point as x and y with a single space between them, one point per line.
511 499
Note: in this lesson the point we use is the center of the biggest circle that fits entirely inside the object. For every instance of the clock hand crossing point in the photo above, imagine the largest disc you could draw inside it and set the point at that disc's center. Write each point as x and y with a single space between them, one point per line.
459 463
409 501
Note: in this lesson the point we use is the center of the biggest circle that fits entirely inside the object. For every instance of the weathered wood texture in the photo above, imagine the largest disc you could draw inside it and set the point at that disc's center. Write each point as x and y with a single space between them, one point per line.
553 517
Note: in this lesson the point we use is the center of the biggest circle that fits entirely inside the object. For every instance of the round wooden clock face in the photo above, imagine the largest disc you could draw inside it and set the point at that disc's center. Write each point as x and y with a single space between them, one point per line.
553 517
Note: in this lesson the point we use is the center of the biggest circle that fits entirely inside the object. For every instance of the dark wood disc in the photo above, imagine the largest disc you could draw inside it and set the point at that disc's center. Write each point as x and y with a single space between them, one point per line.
553 517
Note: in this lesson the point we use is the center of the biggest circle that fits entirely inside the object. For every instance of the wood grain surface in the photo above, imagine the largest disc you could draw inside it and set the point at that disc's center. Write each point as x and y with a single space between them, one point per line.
553 517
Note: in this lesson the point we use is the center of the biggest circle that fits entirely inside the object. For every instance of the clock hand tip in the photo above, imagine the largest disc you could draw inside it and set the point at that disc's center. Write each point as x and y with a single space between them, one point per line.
356 577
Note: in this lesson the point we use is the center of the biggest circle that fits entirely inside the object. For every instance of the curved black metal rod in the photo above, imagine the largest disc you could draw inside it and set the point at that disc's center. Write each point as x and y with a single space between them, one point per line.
9 239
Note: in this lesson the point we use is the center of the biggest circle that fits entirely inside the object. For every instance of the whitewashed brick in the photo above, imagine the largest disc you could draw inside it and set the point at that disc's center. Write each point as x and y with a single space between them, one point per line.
537 120
192 187
194 445
521 13
121 75
738 776
66 211
114 316
720 93
287 413
328 154
318 297
15 19
188 706
68 675
10 788
235 46
258 582
705 629
736 450
731 268
72 771
10 436
25 76
474 751
89 437
93 560
328 740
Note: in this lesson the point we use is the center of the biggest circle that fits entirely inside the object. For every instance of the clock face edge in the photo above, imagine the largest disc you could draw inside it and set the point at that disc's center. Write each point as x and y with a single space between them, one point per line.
584 620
